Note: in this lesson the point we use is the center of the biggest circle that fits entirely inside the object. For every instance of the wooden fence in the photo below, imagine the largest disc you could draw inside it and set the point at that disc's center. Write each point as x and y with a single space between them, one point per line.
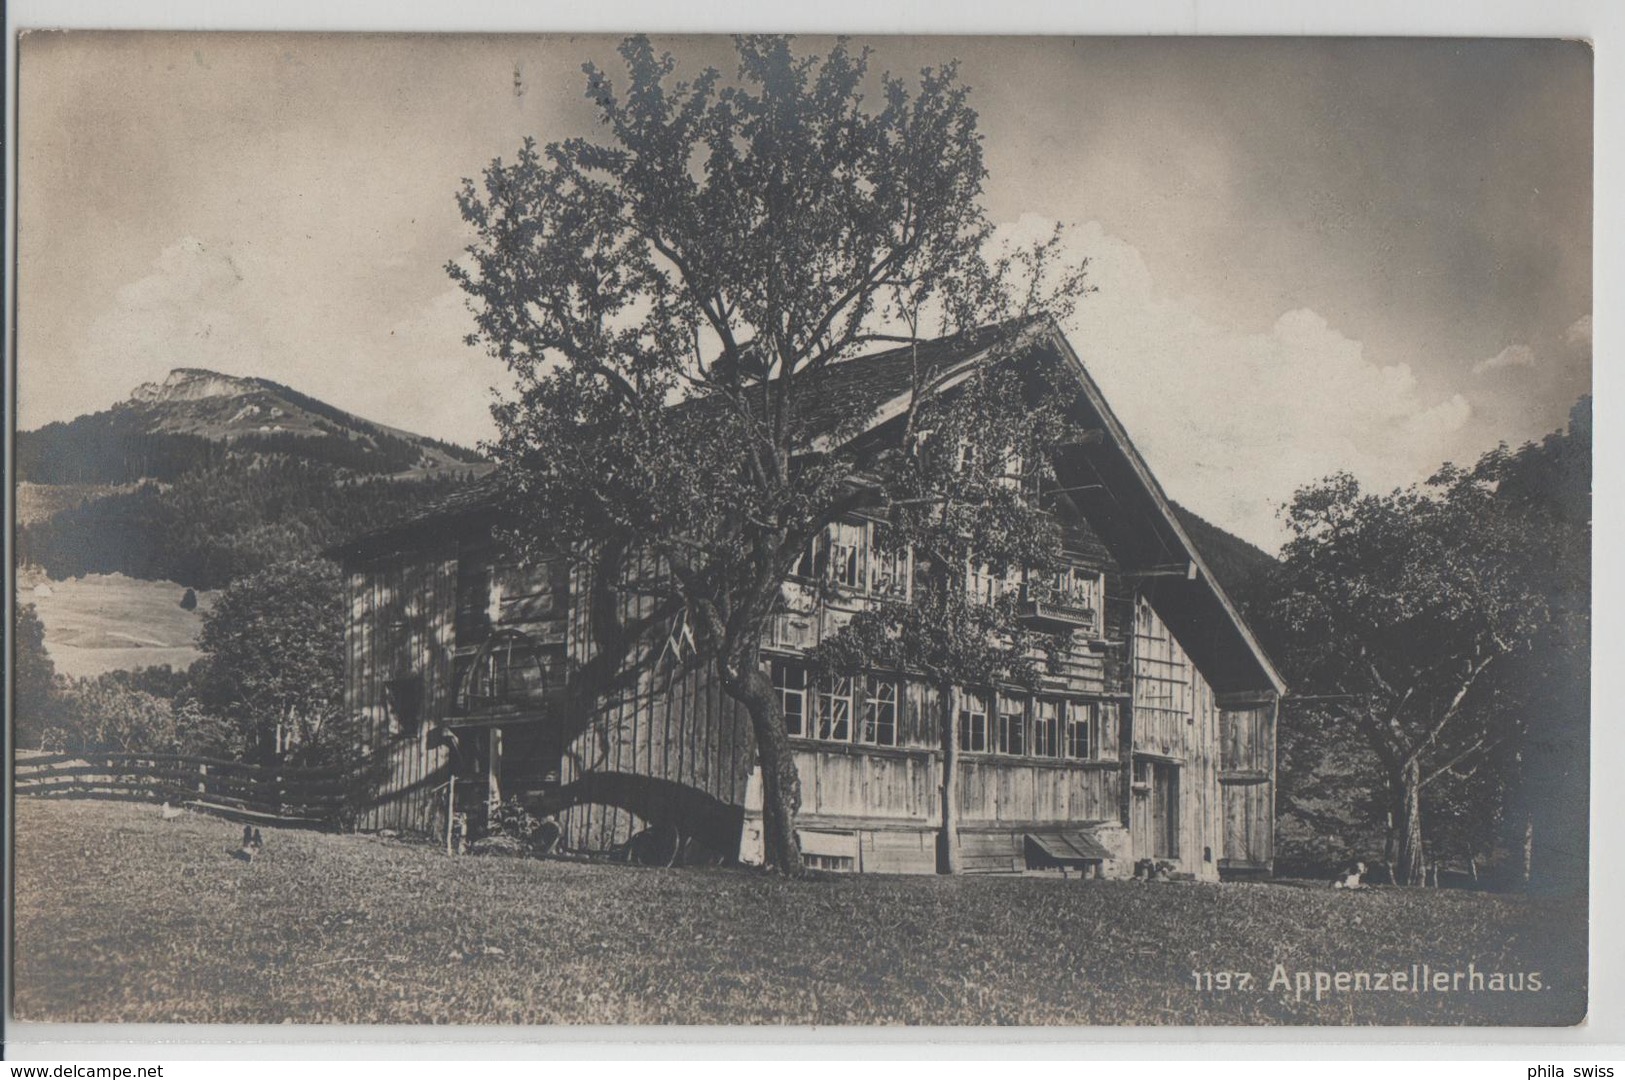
280 796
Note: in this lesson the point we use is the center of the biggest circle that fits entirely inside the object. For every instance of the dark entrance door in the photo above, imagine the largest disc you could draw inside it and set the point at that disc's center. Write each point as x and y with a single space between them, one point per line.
1155 822
1165 809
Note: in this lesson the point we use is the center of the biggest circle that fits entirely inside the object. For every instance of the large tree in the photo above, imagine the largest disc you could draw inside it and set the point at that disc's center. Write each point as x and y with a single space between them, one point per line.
1417 616
273 657
725 243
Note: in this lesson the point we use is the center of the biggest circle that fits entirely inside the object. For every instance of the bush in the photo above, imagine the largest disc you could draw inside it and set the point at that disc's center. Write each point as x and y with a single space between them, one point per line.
106 715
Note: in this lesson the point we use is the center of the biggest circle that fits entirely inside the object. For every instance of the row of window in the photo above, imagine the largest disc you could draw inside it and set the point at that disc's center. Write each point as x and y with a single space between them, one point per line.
861 709
864 709
847 555
1029 726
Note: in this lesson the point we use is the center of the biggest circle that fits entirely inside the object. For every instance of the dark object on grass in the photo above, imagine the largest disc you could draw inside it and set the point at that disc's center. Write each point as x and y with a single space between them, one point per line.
253 844
189 601
547 836
1351 876
697 852
1157 870
657 845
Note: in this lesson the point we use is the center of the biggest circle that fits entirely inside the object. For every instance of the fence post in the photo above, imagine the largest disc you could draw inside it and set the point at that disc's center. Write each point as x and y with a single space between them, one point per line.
203 778
451 810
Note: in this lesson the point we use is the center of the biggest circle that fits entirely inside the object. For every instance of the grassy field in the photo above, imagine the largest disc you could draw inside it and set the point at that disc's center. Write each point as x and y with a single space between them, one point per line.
110 622
124 916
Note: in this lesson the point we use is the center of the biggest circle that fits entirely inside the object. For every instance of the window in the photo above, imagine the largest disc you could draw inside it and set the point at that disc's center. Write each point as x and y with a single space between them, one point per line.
1012 726
509 671
1046 727
844 709
984 585
973 723
790 681
1080 588
1073 588
1080 729
889 573
879 713
845 555
835 709
848 550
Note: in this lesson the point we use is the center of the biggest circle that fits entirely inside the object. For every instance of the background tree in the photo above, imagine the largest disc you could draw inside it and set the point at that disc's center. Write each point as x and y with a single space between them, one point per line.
725 243
273 656
1409 613
33 679
1544 775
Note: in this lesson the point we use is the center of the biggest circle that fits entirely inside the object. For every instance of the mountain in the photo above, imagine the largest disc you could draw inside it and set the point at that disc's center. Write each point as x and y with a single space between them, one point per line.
195 416
204 477
1242 569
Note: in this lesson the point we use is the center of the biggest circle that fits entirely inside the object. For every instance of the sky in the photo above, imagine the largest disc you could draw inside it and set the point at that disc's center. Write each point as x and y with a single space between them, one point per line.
1310 255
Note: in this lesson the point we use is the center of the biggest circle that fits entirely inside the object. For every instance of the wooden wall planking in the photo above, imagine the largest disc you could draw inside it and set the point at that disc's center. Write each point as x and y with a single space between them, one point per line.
1176 717
401 626
991 790
1247 775
899 786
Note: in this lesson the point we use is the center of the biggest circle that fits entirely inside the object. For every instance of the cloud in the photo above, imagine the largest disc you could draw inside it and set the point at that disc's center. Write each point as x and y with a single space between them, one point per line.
403 362
437 385
1513 356
195 307
1578 335
1234 420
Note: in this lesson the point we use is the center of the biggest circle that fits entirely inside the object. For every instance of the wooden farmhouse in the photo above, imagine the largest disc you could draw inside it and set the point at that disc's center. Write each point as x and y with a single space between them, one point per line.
1154 740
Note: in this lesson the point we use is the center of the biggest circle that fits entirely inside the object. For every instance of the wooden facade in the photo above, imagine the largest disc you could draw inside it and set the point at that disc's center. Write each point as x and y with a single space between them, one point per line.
1153 739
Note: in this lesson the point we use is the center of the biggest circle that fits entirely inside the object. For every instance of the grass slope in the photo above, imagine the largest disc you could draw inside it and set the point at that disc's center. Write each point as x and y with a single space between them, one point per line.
110 622
124 917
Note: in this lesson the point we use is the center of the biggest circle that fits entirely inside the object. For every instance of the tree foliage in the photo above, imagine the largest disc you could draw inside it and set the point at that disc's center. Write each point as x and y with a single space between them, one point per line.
33 679
964 496
1423 619
667 295
273 656
109 715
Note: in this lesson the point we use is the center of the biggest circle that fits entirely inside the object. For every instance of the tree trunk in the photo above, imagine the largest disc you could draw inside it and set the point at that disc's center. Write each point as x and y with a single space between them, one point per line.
746 683
949 841
1407 785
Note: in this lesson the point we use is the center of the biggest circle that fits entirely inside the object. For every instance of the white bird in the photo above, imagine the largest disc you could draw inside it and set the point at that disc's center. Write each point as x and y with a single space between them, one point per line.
170 813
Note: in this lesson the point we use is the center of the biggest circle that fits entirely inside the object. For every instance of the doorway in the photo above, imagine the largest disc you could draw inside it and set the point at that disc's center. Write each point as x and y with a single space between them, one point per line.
1156 809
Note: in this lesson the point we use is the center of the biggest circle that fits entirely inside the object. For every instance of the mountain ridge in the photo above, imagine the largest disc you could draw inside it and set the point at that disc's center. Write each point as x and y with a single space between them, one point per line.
203 477
149 434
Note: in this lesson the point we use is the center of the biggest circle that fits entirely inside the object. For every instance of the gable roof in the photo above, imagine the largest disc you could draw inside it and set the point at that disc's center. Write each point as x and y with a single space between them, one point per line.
1117 494
1198 584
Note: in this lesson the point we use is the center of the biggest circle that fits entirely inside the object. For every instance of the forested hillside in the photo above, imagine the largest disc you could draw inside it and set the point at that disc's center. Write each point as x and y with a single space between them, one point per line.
204 478
212 525
1241 568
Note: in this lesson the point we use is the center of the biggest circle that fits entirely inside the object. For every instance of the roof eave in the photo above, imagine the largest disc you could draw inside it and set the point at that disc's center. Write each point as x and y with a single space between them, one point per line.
1119 435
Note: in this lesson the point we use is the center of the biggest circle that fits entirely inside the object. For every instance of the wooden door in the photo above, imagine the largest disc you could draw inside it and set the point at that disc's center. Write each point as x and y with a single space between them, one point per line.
1165 810
1154 813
